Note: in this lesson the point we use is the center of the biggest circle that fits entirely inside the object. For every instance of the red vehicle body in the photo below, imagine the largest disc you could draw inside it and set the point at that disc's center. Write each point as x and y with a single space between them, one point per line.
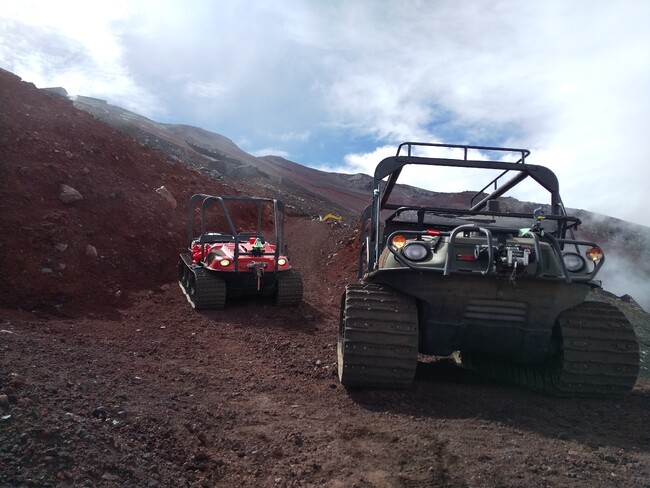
221 256
233 263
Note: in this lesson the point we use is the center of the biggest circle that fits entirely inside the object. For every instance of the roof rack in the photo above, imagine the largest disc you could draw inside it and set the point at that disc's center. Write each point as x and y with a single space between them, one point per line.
523 154
410 145
391 167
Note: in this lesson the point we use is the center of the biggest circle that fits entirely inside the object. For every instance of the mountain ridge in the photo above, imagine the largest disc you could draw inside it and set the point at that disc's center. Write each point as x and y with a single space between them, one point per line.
312 192
349 194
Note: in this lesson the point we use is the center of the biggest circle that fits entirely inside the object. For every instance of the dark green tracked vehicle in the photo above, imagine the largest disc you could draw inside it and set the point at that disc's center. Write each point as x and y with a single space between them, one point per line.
505 291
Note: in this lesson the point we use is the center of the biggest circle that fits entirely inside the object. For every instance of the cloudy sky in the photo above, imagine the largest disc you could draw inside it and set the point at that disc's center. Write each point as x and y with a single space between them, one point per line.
338 84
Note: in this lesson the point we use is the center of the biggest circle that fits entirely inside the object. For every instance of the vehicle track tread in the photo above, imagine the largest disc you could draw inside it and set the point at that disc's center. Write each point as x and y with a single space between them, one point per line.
290 288
203 290
378 337
599 356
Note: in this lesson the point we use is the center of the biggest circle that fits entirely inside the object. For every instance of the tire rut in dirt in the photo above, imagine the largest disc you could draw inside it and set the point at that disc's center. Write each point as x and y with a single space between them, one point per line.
598 357
378 337
435 469
203 289
290 288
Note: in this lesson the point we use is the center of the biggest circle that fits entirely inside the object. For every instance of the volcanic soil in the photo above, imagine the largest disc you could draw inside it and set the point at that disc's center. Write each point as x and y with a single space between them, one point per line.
109 378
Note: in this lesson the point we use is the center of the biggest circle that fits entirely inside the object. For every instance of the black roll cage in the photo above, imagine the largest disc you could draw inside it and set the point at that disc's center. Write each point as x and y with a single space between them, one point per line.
207 201
390 168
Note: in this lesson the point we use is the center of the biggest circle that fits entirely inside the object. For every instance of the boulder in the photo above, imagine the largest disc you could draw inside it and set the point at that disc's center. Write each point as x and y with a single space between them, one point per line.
166 194
67 194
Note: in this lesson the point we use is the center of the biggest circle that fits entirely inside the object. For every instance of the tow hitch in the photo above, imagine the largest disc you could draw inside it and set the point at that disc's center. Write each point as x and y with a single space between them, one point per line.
258 268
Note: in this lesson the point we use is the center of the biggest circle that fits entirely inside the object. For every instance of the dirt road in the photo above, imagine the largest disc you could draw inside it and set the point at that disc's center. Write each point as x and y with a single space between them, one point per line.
158 395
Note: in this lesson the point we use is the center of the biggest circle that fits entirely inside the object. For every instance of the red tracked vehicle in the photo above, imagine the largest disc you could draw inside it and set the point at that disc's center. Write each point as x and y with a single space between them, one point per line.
235 263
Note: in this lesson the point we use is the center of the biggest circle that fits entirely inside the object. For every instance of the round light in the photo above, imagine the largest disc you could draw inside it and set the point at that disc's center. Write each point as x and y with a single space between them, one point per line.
282 262
399 241
594 254
574 262
415 251
224 262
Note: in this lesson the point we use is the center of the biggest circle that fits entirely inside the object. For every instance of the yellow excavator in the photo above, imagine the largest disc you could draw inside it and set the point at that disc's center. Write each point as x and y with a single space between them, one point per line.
330 216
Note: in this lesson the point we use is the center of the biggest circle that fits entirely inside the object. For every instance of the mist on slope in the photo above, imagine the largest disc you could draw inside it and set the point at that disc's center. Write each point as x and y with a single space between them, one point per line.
621 276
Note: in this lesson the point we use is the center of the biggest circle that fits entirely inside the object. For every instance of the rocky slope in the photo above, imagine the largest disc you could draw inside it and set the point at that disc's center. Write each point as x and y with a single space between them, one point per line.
626 245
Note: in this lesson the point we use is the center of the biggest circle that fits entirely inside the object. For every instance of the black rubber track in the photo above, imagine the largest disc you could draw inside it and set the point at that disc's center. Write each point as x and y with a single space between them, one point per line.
598 356
378 337
203 289
290 289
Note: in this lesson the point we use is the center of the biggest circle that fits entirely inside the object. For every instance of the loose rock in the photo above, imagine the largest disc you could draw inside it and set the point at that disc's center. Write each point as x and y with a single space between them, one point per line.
91 251
166 194
67 194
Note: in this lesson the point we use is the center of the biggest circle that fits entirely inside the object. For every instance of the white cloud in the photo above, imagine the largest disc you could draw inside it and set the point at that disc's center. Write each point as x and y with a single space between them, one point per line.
295 136
559 78
362 162
74 44
270 151
205 90
566 79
